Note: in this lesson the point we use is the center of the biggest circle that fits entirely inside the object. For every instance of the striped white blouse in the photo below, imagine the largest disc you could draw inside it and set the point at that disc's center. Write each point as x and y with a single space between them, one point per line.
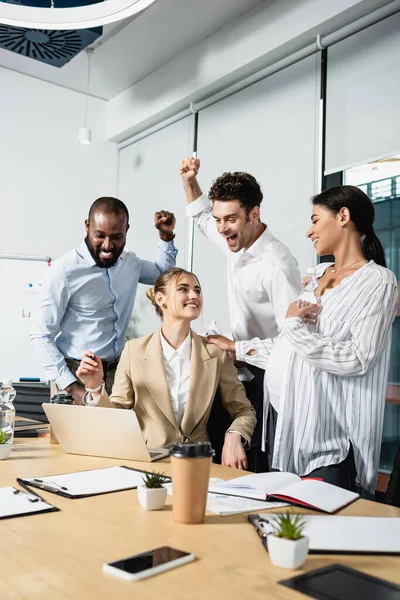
334 388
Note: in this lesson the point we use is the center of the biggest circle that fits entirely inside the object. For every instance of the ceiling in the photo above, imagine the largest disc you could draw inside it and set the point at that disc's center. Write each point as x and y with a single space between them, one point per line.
131 49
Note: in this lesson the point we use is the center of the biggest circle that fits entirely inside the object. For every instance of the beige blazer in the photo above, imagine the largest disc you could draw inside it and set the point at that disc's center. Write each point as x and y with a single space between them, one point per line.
140 383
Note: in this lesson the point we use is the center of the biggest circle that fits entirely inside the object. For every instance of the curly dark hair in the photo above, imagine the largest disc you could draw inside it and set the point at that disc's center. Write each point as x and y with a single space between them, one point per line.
237 186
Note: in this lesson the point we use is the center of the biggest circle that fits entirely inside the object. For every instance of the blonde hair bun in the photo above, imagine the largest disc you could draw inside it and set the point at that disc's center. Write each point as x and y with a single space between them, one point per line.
151 294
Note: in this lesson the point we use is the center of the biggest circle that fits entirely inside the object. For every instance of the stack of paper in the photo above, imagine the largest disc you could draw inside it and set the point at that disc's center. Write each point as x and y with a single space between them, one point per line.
231 505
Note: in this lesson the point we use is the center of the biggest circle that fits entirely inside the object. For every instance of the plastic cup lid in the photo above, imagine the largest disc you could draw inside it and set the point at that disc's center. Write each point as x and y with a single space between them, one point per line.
192 450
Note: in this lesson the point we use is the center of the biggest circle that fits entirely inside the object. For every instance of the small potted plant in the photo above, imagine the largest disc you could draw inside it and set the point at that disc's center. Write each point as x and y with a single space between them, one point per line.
5 444
287 546
152 494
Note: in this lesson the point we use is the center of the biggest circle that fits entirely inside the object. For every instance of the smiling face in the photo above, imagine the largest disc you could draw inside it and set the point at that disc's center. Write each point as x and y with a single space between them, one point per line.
106 237
183 298
326 231
235 224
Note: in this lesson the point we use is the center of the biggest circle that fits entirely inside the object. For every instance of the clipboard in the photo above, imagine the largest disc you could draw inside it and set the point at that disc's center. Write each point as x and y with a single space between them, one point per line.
94 482
22 503
341 535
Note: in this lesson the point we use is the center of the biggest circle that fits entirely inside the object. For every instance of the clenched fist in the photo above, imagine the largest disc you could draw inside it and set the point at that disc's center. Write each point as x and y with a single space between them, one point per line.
165 222
189 168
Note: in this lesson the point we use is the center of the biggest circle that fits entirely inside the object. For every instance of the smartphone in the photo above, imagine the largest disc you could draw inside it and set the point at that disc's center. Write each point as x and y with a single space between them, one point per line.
147 564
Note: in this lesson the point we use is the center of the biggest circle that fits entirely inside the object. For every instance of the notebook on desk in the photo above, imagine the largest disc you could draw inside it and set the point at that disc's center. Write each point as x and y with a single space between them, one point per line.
104 432
329 534
21 425
288 487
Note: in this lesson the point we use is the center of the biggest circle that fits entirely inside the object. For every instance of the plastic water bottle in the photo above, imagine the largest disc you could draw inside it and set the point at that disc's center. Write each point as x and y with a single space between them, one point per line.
307 296
7 411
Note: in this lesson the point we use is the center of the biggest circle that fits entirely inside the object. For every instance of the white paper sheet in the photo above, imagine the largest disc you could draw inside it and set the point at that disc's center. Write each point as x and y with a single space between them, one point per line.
351 534
87 483
12 504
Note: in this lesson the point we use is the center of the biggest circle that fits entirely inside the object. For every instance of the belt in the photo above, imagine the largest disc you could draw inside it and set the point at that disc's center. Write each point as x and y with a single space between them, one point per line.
108 365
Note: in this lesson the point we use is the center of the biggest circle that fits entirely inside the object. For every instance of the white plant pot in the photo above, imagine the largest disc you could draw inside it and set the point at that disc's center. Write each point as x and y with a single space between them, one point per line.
152 498
4 450
288 554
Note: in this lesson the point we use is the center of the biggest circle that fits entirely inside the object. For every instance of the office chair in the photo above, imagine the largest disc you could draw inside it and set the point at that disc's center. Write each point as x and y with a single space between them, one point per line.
393 490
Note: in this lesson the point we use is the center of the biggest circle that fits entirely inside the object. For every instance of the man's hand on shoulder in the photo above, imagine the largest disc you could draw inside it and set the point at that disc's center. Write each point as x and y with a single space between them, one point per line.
189 169
165 222
222 342
78 391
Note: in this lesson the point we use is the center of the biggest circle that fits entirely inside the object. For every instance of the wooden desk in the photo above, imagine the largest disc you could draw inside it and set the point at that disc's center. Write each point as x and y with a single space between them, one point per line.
60 555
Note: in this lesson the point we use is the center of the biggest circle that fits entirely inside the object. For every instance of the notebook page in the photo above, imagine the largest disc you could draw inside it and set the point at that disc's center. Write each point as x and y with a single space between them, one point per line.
94 482
318 494
18 504
231 505
255 485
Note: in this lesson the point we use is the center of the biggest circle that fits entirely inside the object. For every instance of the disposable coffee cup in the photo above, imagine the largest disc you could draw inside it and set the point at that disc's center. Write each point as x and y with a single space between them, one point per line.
59 399
190 471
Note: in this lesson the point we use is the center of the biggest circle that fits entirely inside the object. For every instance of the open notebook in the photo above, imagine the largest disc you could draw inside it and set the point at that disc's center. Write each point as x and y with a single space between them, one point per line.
288 487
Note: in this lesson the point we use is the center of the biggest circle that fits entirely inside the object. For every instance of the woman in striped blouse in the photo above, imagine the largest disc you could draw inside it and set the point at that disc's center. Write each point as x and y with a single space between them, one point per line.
327 388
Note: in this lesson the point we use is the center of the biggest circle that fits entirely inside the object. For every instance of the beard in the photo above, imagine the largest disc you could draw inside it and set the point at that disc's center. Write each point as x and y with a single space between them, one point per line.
101 262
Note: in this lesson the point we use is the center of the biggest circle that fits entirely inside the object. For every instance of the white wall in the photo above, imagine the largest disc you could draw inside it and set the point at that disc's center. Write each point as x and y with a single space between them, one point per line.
247 45
48 180
149 181
268 130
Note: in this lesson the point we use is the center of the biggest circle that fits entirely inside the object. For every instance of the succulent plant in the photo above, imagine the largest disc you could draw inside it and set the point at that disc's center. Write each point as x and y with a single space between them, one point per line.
4 436
154 480
288 525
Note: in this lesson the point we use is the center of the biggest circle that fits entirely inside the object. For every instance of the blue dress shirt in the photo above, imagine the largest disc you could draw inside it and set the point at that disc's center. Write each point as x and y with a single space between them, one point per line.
82 306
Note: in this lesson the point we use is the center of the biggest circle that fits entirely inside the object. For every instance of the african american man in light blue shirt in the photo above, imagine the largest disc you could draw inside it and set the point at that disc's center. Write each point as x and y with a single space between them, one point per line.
86 301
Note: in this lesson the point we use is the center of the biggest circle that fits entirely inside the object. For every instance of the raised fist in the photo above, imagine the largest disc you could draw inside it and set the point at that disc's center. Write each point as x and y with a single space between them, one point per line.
165 222
189 168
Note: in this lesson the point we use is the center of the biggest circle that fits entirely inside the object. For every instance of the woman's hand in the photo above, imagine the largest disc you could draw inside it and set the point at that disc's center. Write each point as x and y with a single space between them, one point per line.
90 371
222 342
310 310
233 454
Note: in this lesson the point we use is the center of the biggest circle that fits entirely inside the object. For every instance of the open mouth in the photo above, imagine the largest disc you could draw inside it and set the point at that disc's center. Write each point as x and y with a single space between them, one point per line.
315 242
231 239
105 255
191 305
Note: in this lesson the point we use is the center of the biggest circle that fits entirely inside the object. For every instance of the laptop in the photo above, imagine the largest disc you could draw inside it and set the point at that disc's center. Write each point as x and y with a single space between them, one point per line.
105 432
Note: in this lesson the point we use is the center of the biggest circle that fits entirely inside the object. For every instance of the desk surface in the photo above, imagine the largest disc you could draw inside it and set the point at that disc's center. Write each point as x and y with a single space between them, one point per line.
60 555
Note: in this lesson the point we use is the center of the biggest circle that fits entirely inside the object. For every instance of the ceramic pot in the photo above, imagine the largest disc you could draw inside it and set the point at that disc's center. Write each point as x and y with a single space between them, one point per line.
4 450
288 554
152 498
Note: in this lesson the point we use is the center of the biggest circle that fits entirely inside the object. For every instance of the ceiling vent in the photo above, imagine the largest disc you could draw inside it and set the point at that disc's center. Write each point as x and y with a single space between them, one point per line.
54 48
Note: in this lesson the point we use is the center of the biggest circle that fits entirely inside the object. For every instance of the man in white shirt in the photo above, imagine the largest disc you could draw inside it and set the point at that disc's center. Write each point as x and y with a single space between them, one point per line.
263 276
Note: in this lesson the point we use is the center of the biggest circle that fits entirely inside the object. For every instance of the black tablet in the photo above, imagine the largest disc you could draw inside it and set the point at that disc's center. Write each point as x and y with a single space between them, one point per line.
337 582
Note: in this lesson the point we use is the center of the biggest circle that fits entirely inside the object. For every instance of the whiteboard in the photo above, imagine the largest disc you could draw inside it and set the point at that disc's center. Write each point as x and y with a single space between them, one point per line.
20 280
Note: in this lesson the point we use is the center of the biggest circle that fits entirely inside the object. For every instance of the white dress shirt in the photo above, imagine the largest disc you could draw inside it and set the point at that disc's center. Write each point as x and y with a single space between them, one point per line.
177 373
262 281
333 390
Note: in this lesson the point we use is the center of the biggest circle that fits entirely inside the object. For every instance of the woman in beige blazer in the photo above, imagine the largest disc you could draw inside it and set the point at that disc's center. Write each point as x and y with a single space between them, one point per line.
171 376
